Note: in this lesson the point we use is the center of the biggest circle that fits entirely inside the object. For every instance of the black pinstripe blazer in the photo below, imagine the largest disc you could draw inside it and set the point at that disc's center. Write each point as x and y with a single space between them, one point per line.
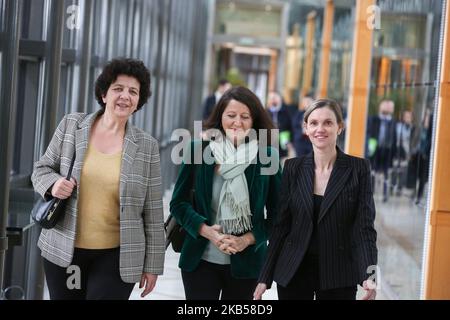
347 238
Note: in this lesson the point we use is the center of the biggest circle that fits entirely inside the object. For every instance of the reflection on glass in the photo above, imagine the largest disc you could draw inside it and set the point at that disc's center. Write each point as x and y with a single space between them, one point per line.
398 137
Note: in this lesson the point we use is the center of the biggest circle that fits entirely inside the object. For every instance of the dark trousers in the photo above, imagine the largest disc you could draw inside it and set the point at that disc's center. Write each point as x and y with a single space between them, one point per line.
398 177
210 280
305 284
382 162
423 167
93 275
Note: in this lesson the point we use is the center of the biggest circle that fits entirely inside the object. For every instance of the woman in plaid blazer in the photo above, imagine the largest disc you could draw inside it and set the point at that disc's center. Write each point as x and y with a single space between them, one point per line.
111 235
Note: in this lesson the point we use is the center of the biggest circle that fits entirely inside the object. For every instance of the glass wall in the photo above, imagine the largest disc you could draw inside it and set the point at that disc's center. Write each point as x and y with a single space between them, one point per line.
404 71
248 43
304 49
341 55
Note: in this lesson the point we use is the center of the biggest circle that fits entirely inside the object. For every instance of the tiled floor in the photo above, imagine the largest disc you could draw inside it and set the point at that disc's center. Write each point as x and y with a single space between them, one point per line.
401 225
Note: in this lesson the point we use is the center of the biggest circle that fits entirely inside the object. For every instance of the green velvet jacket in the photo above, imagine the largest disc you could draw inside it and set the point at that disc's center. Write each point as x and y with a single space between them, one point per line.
263 190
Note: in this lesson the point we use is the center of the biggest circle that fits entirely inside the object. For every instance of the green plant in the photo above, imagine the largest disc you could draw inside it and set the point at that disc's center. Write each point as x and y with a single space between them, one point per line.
235 77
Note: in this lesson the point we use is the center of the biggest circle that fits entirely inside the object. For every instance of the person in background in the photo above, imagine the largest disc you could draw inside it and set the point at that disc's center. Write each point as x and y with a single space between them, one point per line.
302 144
112 228
382 143
282 119
324 241
226 222
404 132
422 155
211 101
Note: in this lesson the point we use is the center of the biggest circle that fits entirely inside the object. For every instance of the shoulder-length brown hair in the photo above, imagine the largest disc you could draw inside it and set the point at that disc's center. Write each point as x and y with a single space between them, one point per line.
260 117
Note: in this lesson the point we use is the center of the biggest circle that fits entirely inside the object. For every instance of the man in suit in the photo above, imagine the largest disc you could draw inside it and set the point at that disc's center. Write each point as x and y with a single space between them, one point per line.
382 143
302 144
211 101
282 119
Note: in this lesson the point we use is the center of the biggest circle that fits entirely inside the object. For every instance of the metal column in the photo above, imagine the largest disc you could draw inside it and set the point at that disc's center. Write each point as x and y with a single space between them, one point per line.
86 55
53 55
8 116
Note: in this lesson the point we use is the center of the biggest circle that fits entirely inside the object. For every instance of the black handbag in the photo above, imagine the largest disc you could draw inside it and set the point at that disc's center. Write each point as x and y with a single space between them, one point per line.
175 234
47 213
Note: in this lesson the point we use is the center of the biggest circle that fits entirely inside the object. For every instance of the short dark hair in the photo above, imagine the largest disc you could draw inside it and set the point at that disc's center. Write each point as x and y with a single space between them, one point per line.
321 103
260 117
275 92
123 66
223 82
309 94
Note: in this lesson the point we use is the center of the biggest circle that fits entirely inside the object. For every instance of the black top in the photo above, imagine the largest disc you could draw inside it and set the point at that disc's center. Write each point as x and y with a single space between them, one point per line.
313 248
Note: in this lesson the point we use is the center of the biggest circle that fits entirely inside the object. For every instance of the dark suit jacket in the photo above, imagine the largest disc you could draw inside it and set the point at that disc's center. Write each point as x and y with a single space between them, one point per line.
208 106
263 190
302 144
373 131
284 124
347 238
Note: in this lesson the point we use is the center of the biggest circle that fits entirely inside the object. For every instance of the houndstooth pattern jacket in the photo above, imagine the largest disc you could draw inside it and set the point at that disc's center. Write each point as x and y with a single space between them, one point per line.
141 210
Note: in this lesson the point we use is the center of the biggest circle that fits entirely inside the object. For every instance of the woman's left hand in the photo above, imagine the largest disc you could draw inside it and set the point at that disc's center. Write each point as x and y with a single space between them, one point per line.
371 290
148 280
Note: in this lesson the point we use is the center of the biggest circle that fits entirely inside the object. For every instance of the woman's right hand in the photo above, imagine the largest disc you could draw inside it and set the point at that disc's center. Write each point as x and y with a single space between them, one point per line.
213 234
62 189
259 291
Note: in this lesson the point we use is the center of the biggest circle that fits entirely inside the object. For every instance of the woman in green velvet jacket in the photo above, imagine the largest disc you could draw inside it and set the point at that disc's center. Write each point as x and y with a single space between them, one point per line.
237 177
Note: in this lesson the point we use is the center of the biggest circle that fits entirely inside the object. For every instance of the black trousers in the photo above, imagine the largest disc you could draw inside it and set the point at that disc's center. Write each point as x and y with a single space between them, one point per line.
93 275
305 285
211 281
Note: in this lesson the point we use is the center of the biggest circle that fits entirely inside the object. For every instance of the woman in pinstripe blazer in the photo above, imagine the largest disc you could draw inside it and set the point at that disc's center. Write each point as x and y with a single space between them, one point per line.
111 235
324 241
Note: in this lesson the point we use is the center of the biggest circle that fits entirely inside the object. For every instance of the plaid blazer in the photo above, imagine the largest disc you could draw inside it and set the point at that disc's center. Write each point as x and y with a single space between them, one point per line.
141 210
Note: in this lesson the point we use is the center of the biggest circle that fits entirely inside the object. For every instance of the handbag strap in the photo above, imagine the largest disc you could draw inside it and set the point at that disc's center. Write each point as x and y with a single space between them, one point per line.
69 174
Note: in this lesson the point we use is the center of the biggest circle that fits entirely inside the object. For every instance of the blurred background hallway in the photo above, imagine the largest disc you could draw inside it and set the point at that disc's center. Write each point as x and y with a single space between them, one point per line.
289 52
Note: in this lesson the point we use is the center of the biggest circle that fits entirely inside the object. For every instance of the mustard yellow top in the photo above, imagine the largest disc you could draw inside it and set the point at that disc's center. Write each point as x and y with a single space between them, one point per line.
98 221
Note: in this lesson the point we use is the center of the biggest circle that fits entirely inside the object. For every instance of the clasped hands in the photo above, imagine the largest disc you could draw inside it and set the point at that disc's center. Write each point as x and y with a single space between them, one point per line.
227 243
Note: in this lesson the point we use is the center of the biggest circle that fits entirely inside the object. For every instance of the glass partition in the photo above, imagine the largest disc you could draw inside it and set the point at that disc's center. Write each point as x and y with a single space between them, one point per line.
402 100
